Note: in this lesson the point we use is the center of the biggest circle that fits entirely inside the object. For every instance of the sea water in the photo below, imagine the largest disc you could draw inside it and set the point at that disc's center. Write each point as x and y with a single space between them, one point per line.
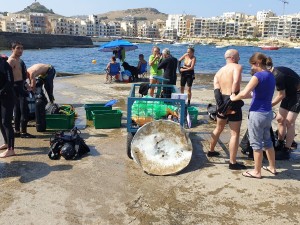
209 58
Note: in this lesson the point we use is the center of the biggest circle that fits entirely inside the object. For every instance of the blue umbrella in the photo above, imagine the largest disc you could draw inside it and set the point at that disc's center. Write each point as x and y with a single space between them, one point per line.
116 45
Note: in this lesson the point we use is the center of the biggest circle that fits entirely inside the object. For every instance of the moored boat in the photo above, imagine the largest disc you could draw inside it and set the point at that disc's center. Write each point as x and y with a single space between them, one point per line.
269 47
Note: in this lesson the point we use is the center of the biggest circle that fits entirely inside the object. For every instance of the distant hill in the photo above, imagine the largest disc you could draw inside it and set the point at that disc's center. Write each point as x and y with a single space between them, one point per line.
36 7
141 13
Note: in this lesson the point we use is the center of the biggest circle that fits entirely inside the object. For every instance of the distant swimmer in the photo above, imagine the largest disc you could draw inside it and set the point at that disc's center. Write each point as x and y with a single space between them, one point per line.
47 73
227 81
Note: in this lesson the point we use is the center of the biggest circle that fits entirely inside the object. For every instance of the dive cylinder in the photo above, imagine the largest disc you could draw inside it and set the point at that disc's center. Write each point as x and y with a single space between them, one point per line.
40 107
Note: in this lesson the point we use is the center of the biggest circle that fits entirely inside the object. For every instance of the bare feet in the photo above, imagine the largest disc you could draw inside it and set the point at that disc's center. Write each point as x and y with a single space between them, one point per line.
7 153
3 147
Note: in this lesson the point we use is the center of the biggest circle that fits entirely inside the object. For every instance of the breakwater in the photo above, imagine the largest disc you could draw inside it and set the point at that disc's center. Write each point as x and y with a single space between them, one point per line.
43 41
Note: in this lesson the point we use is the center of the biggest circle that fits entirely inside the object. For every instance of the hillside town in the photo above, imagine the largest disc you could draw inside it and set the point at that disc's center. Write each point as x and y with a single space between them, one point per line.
264 25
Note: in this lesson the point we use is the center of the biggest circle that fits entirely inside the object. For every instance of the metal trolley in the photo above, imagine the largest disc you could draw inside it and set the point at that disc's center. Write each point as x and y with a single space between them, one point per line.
148 106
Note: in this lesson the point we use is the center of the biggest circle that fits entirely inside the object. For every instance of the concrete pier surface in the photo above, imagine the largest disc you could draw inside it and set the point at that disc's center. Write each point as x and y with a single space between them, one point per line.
106 187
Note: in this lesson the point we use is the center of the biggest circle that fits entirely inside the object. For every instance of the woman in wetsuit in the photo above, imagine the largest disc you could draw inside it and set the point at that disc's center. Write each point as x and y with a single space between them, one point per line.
6 108
187 72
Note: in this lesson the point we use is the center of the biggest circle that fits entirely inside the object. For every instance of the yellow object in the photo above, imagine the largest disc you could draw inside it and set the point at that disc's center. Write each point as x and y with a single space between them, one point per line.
94 61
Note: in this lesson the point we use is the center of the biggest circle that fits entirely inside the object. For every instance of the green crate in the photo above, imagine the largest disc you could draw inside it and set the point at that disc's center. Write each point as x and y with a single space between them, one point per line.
60 121
90 107
193 112
106 119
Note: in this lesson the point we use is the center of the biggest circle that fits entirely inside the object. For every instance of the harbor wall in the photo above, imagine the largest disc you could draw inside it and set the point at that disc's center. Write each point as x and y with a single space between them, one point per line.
43 41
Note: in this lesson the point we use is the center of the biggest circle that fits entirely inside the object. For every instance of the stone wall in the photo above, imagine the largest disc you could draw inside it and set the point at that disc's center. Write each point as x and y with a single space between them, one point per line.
42 41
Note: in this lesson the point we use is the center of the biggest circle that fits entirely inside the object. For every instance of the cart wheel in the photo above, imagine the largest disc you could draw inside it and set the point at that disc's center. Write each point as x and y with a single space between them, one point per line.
129 139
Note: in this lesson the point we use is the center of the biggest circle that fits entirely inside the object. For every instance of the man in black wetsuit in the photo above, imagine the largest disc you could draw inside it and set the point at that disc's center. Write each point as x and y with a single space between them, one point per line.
169 64
288 87
21 110
6 108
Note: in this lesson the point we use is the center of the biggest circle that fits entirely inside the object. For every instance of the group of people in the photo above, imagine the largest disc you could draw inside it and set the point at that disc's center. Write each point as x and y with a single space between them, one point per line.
14 90
169 64
261 87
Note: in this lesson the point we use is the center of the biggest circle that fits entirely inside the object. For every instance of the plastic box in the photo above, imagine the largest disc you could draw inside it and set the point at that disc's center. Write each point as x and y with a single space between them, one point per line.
193 112
60 121
90 107
106 119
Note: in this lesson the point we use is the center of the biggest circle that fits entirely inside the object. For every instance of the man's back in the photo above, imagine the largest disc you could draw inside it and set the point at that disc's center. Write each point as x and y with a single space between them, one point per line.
229 78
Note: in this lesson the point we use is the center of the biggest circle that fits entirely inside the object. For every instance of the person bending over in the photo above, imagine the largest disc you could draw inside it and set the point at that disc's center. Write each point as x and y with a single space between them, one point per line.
45 72
288 87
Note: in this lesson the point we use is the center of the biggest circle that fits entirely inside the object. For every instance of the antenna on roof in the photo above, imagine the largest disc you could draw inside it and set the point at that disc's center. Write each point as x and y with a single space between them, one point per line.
284 3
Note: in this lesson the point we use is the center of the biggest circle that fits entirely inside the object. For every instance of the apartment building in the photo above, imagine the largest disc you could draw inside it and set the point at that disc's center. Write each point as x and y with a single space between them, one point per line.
38 23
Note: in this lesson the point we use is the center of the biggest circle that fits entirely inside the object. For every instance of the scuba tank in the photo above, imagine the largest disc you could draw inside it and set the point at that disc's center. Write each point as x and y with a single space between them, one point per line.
40 107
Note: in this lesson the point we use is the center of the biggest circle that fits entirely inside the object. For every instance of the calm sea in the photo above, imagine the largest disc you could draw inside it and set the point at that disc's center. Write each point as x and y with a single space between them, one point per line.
209 58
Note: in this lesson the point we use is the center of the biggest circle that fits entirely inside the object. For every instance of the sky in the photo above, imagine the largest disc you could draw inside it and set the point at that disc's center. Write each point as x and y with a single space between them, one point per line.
199 8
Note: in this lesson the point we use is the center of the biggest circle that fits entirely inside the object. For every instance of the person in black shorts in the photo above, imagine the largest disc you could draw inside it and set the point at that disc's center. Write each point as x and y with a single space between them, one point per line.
21 88
288 87
187 72
6 108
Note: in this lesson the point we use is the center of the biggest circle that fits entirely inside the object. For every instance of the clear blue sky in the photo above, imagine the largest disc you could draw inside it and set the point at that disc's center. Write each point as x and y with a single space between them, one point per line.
200 8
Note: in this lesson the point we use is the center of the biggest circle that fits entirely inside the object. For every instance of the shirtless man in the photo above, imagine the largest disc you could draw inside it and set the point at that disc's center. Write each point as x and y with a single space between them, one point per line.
227 81
47 73
21 105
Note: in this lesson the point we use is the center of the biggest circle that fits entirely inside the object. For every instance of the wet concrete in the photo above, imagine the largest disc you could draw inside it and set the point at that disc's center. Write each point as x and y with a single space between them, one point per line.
106 187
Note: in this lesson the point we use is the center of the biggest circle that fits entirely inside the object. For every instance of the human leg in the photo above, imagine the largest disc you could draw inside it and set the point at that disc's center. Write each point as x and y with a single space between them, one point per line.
256 173
152 81
17 115
234 139
290 131
49 83
216 134
281 120
7 107
271 158
24 118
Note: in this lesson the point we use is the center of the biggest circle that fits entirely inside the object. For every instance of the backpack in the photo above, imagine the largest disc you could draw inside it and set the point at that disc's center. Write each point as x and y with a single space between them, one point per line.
67 144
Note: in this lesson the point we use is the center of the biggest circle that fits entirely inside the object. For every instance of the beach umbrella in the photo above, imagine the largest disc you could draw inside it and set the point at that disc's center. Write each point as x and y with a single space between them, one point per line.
115 45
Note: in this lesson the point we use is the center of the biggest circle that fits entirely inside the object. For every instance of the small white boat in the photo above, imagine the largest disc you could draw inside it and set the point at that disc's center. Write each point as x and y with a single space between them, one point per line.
297 47
222 46
181 43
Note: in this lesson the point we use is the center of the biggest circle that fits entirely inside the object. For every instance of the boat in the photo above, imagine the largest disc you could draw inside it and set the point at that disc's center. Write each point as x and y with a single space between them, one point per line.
181 43
222 46
297 47
269 47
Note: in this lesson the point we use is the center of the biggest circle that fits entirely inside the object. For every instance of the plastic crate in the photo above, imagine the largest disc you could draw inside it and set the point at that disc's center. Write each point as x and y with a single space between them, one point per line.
106 119
90 107
193 112
60 121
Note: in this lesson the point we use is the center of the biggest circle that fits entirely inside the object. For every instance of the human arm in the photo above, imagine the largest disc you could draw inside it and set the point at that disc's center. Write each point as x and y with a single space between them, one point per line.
191 67
153 58
237 78
280 95
246 93
162 64
182 57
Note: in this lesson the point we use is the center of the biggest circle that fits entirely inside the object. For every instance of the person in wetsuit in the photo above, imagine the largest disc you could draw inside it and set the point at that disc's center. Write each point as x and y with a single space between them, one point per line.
6 108
187 72
227 81
44 72
288 87
21 109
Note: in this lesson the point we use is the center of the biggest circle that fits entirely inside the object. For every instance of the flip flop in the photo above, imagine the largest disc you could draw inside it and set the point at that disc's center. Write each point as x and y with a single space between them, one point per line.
267 169
3 148
249 175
